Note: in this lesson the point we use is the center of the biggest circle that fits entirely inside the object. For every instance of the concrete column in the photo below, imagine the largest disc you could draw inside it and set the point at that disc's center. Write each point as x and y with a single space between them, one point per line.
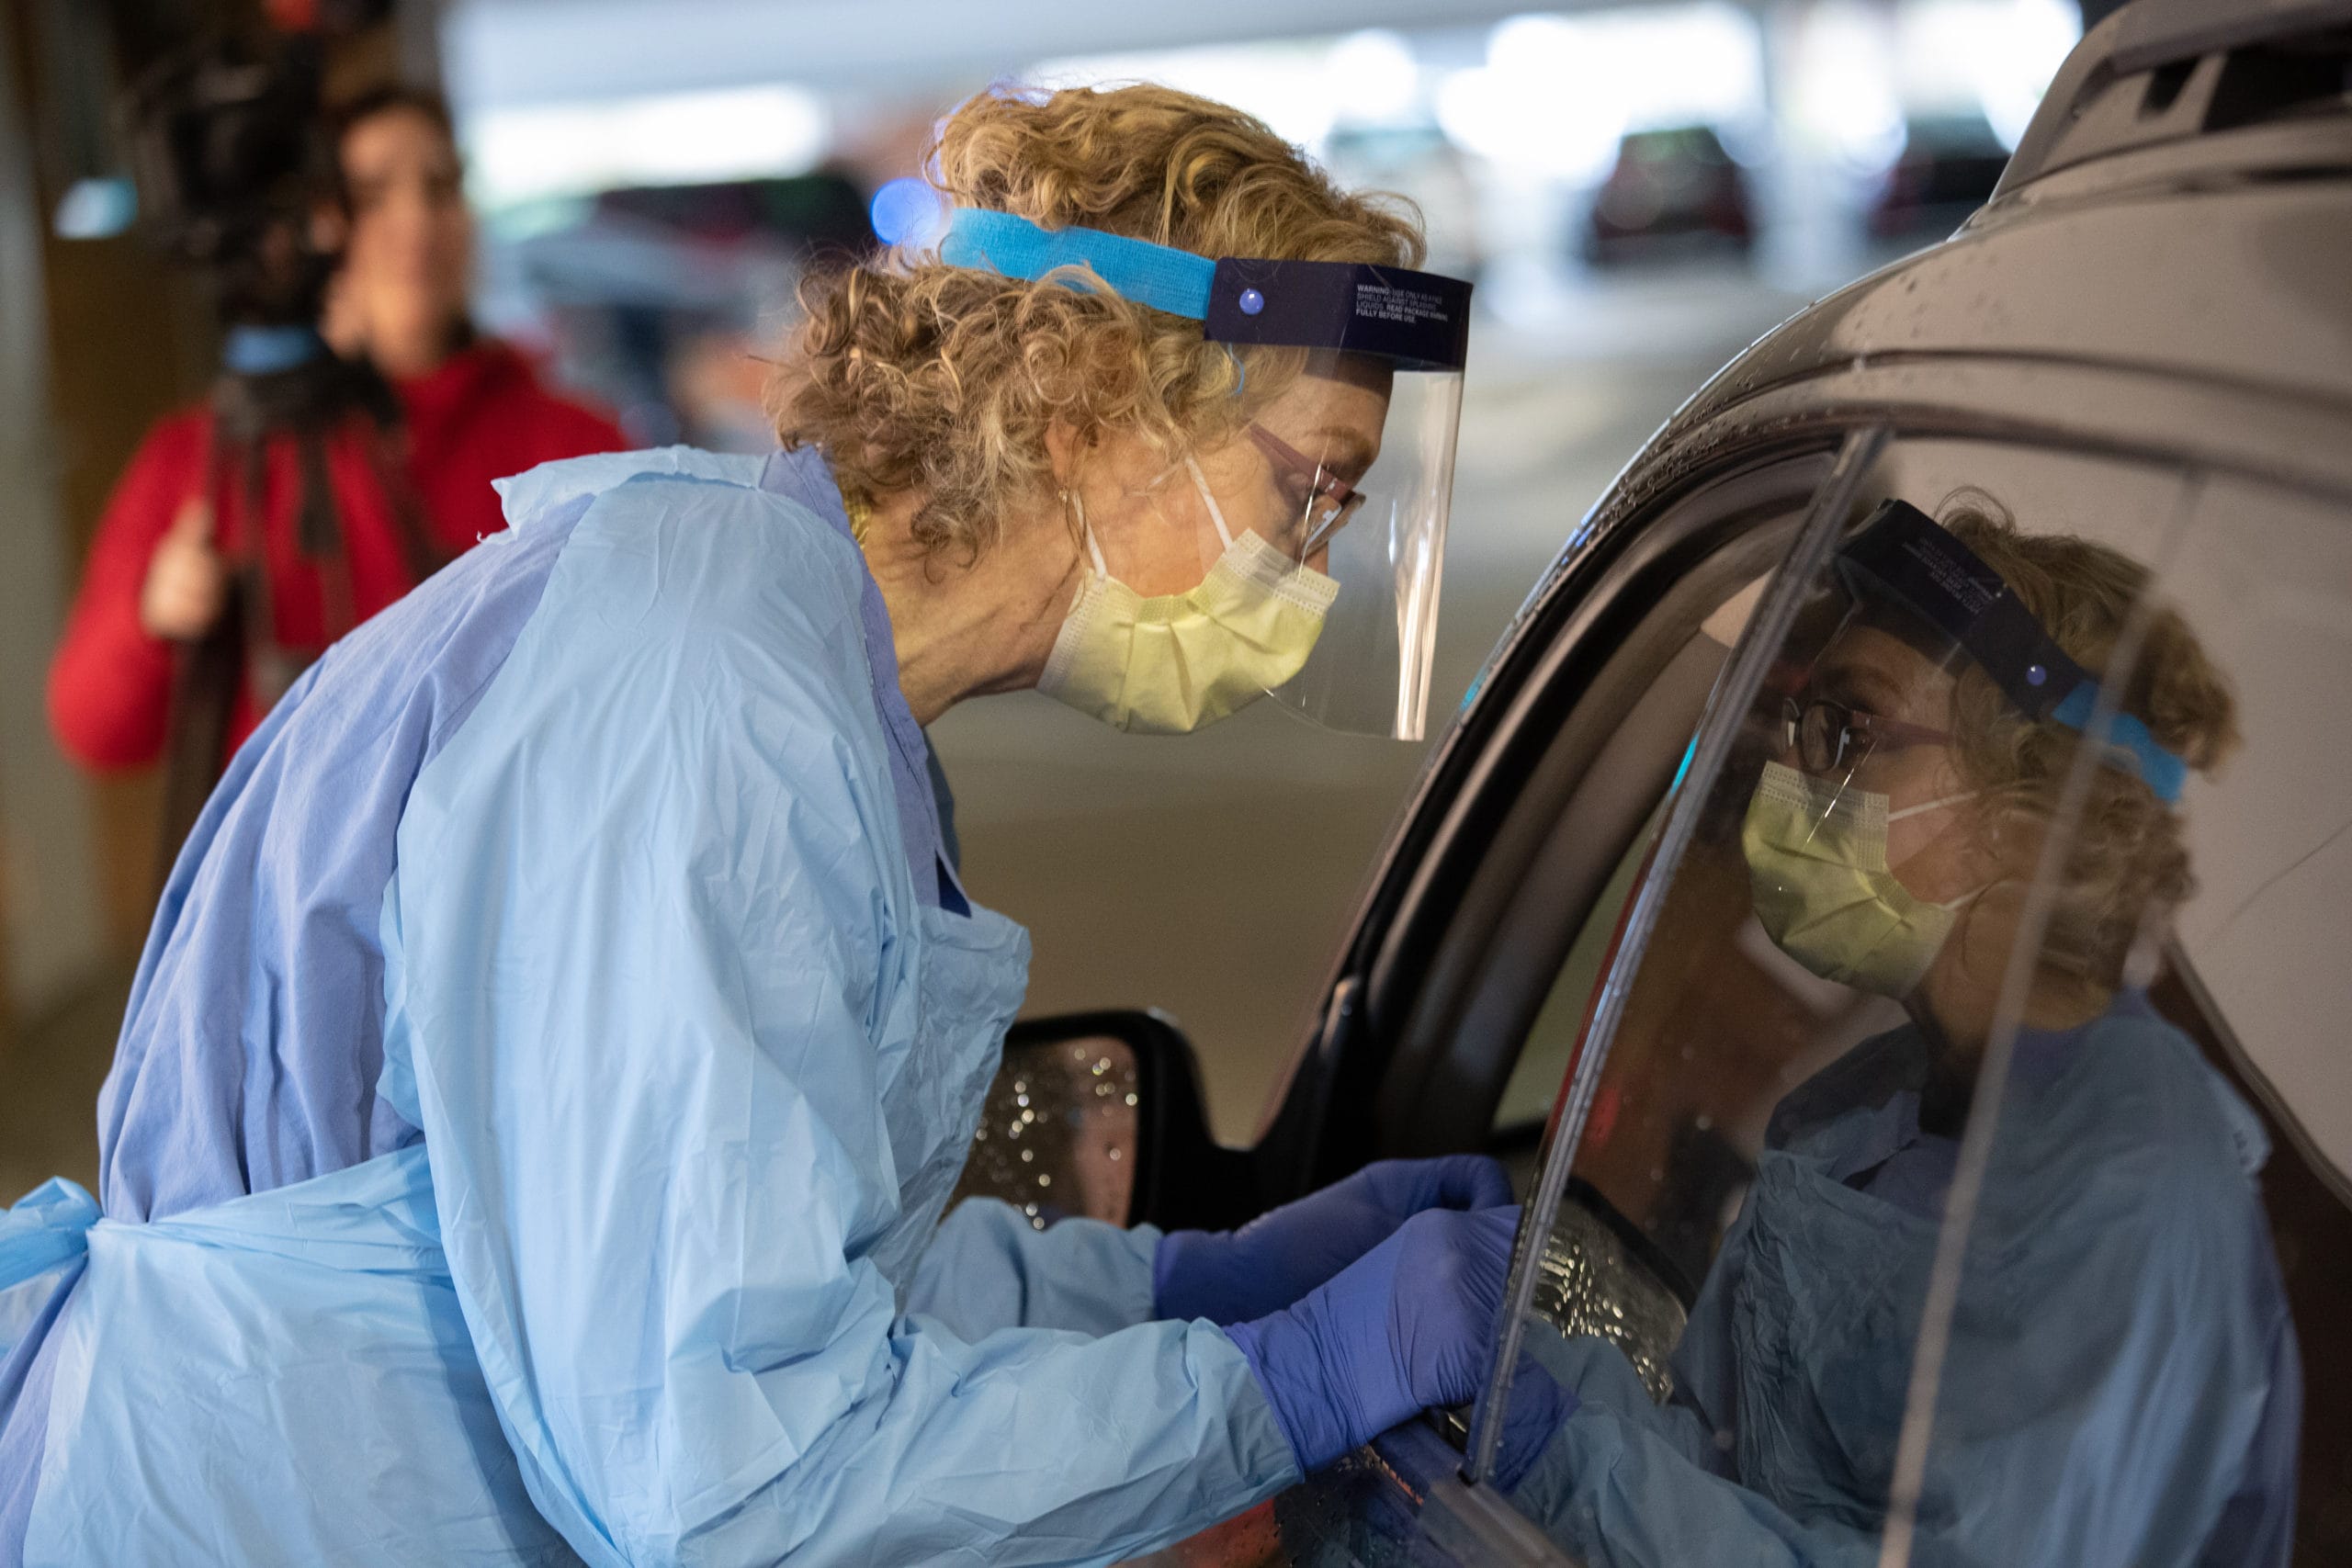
53 929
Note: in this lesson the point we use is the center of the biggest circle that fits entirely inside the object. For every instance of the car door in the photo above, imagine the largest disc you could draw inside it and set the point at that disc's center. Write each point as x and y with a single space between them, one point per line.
1677 1054
1560 966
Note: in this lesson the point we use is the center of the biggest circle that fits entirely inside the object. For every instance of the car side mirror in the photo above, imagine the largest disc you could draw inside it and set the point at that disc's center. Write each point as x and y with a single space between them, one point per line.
1099 1115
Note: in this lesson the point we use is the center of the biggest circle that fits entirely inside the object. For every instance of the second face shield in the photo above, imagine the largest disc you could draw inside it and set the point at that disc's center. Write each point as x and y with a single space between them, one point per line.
1925 655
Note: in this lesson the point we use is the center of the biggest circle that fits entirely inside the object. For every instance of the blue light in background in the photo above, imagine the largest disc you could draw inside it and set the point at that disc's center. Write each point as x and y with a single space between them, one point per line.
95 210
907 212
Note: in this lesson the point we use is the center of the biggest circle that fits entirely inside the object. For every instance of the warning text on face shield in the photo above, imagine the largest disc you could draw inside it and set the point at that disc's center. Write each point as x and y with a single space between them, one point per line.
1386 302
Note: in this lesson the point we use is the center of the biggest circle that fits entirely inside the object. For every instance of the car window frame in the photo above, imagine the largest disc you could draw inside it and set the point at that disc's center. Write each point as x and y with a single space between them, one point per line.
1655 485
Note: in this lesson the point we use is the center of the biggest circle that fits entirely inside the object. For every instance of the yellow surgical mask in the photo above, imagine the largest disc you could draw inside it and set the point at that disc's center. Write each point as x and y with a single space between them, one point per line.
1816 867
1171 664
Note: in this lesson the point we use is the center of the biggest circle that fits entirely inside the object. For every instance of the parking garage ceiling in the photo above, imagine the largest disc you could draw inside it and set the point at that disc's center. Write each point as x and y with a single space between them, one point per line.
523 52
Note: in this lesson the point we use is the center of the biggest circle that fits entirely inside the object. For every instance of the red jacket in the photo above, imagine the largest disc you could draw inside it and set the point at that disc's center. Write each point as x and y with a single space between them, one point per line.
480 417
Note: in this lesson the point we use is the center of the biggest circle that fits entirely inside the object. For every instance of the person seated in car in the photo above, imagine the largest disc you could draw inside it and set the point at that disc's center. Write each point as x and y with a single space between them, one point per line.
2119 1384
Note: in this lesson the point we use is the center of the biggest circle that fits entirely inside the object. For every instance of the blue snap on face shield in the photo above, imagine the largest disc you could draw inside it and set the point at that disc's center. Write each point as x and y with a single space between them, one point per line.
1902 554
1335 492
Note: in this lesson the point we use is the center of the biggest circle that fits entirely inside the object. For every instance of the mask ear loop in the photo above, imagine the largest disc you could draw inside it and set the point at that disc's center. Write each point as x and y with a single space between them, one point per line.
1962 910
1217 512
1938 804
1954 907
1086 531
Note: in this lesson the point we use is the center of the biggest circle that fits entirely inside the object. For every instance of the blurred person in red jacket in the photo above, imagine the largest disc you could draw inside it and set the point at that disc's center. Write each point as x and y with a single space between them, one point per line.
161 570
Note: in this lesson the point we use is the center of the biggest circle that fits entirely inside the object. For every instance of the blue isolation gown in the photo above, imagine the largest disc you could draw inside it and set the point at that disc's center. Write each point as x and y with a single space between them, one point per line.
529 1132
2121 1388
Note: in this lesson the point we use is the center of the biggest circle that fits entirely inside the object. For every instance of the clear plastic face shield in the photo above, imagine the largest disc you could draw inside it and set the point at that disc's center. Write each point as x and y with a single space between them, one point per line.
1858 865
1301 555
1903 558
1349 468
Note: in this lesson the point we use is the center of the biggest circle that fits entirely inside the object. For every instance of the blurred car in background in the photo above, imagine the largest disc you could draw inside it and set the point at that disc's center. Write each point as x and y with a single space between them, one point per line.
1418 162
1556 959
1669 193
1947 170
661 300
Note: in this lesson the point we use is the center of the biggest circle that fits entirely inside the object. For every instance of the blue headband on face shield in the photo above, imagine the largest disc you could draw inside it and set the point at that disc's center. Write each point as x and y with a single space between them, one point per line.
2162 771
1418 320
1158 275
1903 554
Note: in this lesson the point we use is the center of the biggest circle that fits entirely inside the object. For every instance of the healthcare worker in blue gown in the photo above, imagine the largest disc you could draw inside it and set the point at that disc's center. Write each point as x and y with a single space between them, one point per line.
558 1042
2120 1388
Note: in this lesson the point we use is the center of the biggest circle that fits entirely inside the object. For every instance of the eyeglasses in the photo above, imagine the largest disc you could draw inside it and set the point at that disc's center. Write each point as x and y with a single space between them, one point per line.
1330 500
1828 736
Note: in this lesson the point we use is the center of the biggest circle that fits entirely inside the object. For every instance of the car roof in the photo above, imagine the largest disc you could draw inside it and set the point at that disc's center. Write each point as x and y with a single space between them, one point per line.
2167 286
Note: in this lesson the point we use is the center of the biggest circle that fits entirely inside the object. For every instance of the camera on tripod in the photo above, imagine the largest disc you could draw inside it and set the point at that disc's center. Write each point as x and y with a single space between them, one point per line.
236 174
234 160
233 152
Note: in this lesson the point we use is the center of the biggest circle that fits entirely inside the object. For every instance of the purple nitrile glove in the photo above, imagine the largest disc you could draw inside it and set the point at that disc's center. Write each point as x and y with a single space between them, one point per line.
1408 1326
1234 1276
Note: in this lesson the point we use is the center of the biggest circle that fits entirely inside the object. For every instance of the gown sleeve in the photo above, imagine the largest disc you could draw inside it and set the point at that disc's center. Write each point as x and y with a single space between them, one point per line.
2110 1432
989 1269
1627 1485
645 996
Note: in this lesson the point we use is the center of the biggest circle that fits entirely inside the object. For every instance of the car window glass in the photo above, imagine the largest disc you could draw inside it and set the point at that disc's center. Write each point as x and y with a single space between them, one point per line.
2256 972
1534 1083
1885 954
2265 577
1534 1086
2104 1348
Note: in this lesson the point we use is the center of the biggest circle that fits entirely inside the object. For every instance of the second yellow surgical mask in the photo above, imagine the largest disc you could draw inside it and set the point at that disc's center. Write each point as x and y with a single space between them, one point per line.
1172 663
1816 867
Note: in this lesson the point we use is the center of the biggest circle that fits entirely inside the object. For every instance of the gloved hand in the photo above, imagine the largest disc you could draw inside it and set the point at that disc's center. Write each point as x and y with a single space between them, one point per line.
1407 1326
1234 1276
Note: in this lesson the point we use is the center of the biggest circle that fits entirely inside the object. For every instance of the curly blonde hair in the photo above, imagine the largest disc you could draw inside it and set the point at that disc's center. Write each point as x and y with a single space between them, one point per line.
910 375
2127 868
